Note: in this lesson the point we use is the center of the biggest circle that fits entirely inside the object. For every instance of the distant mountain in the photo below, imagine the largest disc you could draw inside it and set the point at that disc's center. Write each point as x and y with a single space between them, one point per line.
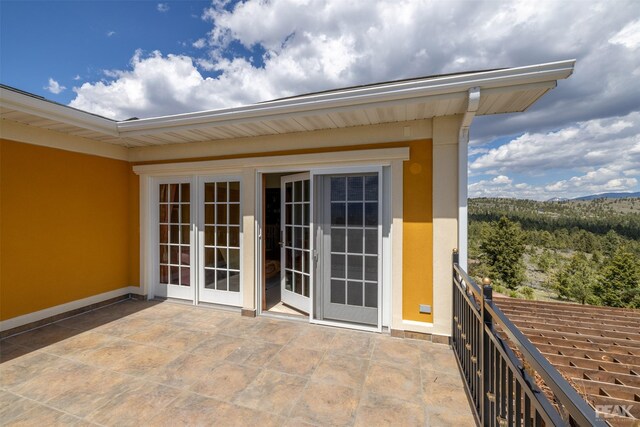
608 196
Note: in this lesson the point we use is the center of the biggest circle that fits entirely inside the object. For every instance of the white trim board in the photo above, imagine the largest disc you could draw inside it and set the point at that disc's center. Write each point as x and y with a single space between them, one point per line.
36 316
293 160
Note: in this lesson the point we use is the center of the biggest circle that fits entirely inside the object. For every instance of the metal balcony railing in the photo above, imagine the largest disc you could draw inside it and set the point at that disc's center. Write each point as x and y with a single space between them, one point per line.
500 383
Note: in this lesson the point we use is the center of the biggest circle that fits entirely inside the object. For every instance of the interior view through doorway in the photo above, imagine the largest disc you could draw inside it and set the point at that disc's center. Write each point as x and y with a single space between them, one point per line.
286 250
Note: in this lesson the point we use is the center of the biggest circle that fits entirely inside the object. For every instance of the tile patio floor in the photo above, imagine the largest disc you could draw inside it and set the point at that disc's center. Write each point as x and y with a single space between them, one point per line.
162 363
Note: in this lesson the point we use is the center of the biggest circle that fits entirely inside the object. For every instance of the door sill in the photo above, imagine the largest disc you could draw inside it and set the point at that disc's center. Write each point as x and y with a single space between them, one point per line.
346 325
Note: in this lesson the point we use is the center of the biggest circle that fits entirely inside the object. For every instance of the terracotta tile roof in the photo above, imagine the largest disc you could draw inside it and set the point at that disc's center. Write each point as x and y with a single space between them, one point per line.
596 348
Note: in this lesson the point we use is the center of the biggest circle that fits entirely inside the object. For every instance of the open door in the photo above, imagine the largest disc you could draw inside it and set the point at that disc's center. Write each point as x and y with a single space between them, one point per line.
295 252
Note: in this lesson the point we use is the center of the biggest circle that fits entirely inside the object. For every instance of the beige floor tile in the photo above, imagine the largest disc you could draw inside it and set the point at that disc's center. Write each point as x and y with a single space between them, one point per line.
352 344
128 357
277 332
386 380
239 416
24 368
314 337
89 391
295 361
342 370
327 404
13 406
182 340
225 381
44 416
80 343
443 395
395 351
44 386
185 370
191 409
125 327
377 410
273 392
453 418
243 327
140 402
254 353
441 360
220 346
152 333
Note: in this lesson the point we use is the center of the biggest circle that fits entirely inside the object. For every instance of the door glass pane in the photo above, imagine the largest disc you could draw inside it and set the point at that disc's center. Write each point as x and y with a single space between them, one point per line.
209 192
174 278
234 191
185 276
298 283
354 293
354 214
174 214
234 237
174 193
338 213
338 191
164 274
163 213
354 237
355 188
234 281
371 295
209 257
234 214
185 257
234 259
354 267
288 284
371 268
371 241
185 234
338 266
221 280
305 279
164 233
174 233
297 190
221 192
221 213
209 214
371 187
371 214
209 278
164 254
163 197
337 292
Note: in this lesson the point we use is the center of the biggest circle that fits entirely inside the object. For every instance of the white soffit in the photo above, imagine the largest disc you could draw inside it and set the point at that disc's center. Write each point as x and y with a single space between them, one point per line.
502 91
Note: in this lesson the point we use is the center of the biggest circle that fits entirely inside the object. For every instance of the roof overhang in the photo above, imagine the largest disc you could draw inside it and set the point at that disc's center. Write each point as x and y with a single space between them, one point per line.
502 91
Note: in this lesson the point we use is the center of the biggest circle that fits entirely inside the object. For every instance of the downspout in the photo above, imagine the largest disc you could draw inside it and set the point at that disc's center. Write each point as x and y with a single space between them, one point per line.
473 101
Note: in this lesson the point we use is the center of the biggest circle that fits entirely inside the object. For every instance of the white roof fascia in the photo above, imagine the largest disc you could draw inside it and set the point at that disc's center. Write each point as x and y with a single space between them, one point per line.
369 96
60 113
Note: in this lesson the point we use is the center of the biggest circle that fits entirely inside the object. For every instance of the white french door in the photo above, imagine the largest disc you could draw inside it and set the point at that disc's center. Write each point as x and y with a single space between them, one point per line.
175 273
219 241
199 239
295 252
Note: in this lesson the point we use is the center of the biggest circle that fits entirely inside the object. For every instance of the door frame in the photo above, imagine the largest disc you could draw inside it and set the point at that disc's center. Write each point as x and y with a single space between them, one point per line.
384 168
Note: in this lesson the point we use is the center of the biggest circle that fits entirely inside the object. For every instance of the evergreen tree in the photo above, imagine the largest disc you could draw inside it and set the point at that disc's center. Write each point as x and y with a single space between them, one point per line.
576 280
503 248
620 285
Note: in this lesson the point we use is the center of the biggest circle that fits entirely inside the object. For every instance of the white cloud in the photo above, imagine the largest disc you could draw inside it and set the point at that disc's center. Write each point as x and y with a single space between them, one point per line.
501 179
162 7
629 36
111 33
54 87
200 43
77 77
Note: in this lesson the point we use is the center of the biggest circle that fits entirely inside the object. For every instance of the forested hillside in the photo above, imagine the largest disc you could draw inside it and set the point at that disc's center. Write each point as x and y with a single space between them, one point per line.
587 251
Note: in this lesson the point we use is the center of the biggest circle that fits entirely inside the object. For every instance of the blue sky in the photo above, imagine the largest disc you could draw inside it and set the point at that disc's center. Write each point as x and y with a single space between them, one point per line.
147 58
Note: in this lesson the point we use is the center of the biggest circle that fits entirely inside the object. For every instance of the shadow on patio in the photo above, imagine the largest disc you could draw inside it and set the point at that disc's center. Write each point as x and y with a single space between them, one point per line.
163 363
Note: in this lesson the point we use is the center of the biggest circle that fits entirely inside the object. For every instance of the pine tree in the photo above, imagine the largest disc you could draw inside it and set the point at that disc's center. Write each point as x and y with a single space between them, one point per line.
503 248
576 280
620 285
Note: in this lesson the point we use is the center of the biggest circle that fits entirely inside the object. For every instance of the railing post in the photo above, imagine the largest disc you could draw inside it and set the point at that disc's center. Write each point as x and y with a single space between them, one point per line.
485 357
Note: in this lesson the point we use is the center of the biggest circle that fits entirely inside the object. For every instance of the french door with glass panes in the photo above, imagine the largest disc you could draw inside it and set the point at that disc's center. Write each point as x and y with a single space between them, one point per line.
175 273
295 248
213 204
348 285
219 240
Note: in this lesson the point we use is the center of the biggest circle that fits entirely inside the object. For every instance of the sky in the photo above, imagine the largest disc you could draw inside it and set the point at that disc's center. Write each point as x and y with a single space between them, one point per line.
123 59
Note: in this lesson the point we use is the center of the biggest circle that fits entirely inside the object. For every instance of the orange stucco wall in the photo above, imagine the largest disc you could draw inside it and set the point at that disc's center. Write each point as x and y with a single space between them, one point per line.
68 227
417 232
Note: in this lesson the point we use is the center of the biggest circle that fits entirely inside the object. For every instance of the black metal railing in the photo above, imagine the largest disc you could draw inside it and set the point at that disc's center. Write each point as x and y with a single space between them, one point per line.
500 384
